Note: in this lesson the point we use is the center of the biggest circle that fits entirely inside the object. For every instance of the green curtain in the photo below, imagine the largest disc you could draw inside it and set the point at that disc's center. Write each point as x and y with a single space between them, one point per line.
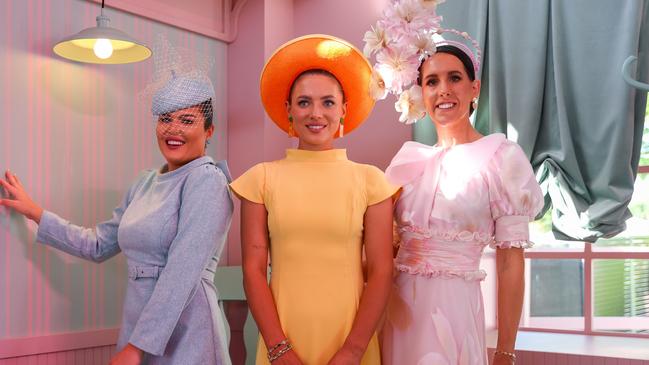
552 82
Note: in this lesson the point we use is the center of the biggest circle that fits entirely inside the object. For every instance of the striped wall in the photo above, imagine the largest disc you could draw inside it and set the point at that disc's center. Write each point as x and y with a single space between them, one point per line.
76 135
90 356
88 347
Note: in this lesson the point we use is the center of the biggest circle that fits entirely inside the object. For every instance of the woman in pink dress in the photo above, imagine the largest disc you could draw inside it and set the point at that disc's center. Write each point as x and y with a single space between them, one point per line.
459 196
466 192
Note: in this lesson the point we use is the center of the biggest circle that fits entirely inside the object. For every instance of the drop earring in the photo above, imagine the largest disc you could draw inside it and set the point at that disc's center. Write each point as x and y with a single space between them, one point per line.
341 129
474 103
291 133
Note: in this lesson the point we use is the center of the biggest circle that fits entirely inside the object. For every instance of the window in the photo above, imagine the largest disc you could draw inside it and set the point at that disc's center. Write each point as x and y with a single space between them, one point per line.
593 289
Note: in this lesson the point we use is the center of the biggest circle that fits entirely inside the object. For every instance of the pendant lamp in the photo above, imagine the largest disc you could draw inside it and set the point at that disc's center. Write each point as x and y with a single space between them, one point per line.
102 44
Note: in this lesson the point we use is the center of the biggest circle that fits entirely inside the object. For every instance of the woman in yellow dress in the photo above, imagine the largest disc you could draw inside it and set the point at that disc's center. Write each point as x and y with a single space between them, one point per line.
315 212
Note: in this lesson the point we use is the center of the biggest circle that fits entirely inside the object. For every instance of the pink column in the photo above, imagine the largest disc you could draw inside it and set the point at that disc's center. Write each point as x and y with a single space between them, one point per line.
252 136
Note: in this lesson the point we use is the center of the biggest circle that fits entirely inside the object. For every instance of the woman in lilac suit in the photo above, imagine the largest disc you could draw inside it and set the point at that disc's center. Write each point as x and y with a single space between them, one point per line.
171 225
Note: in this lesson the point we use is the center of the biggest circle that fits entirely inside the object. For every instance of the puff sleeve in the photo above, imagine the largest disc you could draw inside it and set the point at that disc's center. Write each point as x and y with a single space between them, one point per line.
515 197
251 185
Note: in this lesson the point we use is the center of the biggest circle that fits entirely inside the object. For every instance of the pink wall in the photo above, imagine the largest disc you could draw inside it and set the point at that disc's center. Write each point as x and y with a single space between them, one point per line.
100 355
215 18
252 136
245 56
277 31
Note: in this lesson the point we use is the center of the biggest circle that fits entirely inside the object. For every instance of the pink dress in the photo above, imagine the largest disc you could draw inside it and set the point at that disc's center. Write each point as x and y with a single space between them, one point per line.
455 201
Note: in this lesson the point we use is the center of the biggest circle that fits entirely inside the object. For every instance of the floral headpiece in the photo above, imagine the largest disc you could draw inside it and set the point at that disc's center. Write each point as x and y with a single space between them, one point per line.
408 32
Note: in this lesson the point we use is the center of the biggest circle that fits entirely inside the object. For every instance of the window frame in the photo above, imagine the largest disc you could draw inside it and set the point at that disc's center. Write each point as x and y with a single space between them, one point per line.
587 254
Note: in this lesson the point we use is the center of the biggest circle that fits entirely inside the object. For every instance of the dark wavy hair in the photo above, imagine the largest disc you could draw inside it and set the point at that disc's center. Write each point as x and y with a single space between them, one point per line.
207 110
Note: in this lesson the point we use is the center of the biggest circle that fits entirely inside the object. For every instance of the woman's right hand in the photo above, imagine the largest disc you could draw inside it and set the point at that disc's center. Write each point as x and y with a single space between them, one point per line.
129 355
20 200
289 358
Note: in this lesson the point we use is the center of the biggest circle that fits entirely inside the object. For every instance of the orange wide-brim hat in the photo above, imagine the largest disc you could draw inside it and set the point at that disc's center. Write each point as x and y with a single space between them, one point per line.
317 51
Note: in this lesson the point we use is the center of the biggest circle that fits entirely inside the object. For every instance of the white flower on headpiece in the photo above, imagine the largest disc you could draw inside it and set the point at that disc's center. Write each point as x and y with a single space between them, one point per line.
411 105
375 40
430 3
401 63
424 44
409 17
380 84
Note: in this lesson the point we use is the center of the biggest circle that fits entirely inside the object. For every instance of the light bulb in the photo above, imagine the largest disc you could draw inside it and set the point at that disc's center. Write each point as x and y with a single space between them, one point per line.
103 48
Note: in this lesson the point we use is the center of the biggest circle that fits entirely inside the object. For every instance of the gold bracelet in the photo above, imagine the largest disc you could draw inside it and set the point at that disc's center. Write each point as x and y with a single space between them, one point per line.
279 353
283 342
511 355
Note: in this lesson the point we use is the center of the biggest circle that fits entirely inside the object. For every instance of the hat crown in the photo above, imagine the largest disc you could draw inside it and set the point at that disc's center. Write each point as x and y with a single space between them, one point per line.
181 92
311 52
180 78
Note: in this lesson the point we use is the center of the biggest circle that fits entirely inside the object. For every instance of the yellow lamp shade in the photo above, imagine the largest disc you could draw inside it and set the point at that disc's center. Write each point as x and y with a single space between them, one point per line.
102 44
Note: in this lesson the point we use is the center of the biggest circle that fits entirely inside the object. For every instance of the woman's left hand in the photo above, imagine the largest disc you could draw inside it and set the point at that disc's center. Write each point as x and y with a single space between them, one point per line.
345 356
130 355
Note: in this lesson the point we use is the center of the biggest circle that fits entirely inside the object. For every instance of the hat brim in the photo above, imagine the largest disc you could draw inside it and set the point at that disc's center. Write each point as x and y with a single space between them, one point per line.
317 51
